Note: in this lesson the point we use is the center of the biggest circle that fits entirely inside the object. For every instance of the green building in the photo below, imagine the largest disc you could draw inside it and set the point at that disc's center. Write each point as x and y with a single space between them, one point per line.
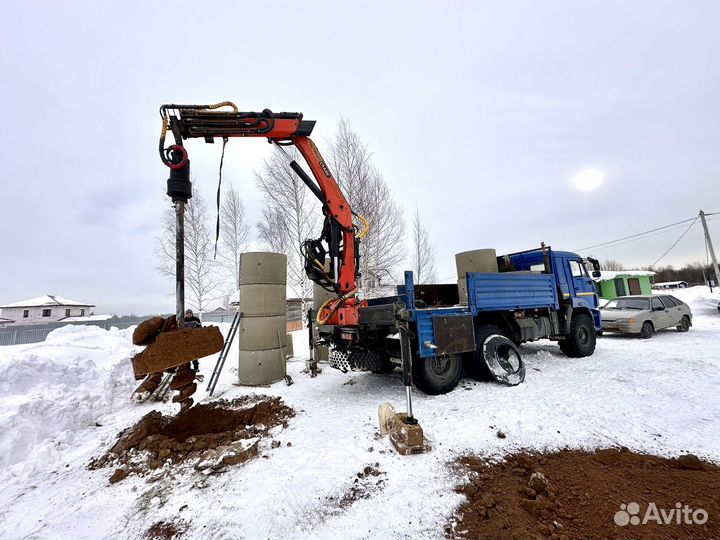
623 282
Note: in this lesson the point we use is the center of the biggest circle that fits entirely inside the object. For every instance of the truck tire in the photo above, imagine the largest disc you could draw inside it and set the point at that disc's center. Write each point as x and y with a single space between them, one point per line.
580 341
437 375
475 365
497 357
387 365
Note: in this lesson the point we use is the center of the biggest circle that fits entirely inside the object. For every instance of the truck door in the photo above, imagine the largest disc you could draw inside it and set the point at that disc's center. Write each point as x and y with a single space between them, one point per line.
582 284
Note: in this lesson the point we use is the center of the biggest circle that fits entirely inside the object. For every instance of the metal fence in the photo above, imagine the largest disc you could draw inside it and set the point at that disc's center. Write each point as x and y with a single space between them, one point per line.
35 333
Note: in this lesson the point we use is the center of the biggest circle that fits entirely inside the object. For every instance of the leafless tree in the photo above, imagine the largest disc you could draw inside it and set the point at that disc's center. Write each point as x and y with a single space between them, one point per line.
290 216
201 277
234 235
612 264
367 192
423 251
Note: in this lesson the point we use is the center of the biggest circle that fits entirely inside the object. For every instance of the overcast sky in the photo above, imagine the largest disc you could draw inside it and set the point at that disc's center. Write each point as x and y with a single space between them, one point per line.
481 112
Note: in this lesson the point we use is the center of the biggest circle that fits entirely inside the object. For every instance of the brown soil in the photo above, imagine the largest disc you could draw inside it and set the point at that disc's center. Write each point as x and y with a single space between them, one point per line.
166 530
213 435
572 494
146 331
365 483
170 349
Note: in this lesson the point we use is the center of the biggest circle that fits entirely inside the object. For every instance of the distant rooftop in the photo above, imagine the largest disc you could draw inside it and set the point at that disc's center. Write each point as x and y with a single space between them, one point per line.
47 300
89 318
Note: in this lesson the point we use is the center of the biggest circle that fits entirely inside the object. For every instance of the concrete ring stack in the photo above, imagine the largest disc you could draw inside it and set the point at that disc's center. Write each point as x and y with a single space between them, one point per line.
478 260
263 325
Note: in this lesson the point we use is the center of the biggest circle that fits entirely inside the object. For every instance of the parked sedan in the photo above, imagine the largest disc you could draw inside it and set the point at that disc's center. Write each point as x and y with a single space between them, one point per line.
645 314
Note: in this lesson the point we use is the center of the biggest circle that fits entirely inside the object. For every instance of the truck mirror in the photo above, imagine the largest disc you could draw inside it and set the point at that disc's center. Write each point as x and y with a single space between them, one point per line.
596 274
595 265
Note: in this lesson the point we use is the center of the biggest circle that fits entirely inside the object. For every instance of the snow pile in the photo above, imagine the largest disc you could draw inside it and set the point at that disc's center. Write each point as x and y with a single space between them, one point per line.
65 384
699 298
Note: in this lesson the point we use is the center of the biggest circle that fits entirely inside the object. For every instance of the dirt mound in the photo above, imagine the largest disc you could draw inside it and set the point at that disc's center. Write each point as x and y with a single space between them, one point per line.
212 435
166 530
606 494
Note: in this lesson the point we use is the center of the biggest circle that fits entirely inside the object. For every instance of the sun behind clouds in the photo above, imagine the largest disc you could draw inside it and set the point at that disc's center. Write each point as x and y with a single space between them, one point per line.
589 179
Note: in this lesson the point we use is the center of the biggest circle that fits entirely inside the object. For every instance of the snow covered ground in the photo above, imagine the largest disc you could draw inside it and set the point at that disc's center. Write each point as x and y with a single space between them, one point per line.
63 401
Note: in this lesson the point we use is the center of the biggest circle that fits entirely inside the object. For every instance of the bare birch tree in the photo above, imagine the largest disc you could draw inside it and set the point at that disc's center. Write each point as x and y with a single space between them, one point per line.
367 192
290 216
234 235
612 264
201 278
423 251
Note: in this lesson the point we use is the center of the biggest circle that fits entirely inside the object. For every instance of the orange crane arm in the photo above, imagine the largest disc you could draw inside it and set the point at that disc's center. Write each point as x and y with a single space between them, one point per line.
283 129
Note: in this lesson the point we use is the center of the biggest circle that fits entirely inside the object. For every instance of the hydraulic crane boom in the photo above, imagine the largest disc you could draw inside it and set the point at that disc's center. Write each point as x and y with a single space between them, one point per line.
283 129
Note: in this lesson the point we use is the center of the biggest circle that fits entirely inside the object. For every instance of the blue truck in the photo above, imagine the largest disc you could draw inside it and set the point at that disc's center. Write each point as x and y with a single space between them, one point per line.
539 293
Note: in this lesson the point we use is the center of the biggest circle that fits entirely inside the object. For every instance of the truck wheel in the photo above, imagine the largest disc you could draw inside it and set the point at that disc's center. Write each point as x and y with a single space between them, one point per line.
496 358
684 325
580 341
387 367
647 330
437 375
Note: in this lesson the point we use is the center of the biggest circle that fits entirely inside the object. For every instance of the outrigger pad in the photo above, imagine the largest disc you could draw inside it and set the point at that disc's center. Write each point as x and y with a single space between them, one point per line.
171 349
405 438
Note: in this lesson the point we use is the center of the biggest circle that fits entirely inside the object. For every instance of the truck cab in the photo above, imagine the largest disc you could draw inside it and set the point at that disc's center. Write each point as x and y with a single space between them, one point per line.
573 280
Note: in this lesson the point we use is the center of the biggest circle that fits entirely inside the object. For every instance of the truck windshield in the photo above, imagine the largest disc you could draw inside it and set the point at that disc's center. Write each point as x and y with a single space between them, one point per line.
628 303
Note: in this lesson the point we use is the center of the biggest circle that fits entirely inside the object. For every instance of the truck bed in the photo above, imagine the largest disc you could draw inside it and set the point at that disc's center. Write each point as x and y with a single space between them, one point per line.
505 291
510 290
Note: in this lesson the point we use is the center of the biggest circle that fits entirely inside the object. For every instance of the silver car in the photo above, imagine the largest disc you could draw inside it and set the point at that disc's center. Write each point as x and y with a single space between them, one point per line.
645 314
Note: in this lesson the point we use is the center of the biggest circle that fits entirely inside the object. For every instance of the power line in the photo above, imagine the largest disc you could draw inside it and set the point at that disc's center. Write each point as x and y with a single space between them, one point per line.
676 242
638 234
659 233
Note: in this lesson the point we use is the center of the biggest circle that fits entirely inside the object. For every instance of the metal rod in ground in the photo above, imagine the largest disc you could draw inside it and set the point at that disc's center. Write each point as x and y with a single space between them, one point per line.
311 363
406 356
224 353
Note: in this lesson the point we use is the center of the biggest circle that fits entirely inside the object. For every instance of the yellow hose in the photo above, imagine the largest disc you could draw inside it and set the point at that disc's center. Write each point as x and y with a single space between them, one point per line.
223 104
367 226
340 298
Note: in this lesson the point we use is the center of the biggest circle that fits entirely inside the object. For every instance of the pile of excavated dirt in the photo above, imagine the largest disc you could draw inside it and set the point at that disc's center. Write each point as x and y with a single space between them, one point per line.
166 530
210 436
606 494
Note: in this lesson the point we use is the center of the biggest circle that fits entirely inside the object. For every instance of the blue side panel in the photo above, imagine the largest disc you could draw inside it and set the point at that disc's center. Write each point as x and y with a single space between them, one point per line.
507 291
425 332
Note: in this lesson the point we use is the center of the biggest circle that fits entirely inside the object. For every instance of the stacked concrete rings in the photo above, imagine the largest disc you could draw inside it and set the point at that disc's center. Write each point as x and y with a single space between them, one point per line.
262 332
478 260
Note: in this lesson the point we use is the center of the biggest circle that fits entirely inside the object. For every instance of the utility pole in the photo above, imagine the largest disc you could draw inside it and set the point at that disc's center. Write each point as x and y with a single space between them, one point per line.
710 248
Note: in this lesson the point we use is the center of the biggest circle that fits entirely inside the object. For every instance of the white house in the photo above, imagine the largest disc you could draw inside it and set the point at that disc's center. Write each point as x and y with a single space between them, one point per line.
44 309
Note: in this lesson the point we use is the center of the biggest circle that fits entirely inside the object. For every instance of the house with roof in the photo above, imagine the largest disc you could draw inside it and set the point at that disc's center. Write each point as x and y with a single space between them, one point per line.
44 309
664 285
612 283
